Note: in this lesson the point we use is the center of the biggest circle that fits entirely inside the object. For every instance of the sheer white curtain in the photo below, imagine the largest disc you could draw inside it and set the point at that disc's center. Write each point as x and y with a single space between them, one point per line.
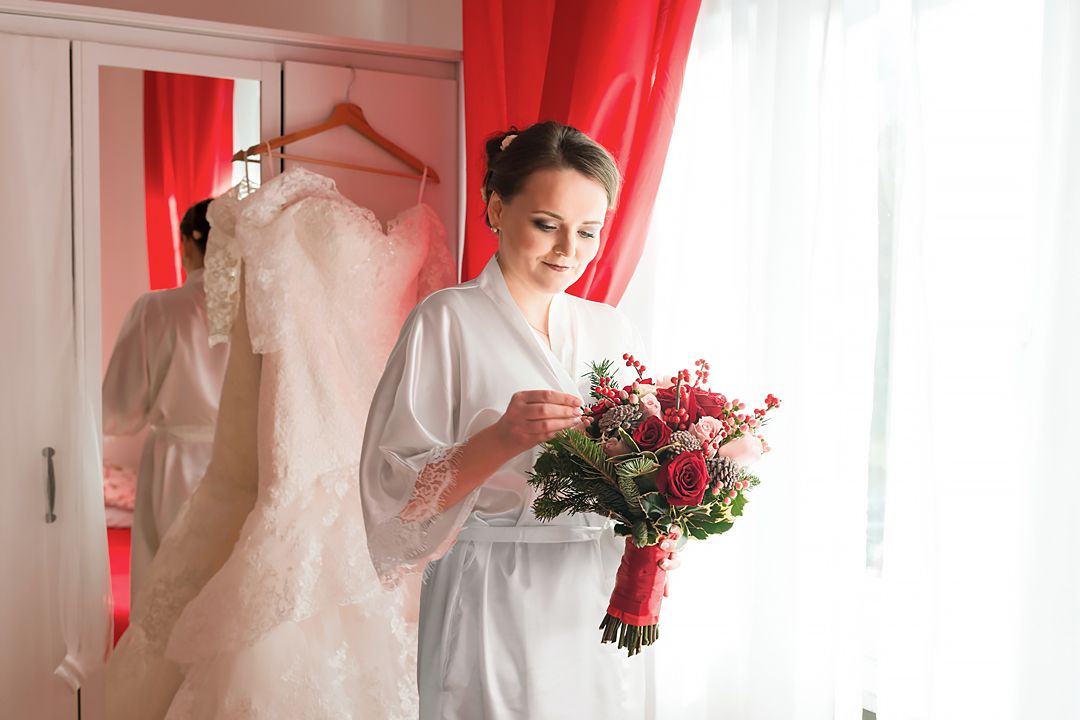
979 571
762 259
1049 682
875 210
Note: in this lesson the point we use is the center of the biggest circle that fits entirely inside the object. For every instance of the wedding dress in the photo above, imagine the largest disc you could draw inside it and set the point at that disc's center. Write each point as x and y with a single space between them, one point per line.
294 623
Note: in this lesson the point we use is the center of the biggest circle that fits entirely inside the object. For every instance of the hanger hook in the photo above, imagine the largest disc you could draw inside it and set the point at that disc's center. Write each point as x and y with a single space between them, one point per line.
423 182
352 79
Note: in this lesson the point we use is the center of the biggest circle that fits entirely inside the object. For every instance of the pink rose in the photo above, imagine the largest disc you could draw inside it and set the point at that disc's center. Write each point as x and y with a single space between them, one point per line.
650 405
744 450
615 446
706 428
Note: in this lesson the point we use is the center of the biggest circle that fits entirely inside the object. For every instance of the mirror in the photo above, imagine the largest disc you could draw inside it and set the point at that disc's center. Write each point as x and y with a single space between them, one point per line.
166 142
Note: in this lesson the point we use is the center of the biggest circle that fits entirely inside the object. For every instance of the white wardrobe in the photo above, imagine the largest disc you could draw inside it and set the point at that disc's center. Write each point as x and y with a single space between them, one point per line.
54 584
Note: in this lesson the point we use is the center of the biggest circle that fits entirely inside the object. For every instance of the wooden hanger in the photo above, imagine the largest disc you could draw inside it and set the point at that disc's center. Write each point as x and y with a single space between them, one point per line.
349 115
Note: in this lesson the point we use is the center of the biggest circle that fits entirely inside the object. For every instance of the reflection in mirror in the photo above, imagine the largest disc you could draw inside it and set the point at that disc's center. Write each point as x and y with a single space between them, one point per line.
166 147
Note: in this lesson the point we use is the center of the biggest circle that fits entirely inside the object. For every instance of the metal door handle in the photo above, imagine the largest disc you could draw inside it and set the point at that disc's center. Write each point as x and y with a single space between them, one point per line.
50 486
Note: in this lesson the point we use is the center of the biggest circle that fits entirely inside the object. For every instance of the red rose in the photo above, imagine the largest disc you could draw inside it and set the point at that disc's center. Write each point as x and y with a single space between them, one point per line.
666 396
709 403
683 480
652 433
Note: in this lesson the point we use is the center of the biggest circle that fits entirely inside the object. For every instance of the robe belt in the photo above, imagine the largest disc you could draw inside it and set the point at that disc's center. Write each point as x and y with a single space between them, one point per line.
530 533
185 433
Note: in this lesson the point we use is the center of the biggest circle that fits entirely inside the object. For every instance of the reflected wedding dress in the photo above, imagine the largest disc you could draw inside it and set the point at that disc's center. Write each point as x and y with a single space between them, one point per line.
291 621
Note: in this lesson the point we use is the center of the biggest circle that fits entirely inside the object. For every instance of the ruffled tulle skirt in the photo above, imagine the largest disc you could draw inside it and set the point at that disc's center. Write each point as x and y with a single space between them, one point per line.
295 624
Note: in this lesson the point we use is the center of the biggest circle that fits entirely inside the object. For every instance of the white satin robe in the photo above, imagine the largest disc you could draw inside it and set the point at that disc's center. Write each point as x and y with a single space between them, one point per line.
510 607
163 373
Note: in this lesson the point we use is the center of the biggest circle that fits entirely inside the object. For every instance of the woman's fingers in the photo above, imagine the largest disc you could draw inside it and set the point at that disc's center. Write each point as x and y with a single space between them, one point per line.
550 397
549 411
535 416
549 427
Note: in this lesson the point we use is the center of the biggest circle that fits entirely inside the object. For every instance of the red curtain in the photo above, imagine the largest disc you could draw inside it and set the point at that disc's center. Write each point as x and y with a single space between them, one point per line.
611 68
187 139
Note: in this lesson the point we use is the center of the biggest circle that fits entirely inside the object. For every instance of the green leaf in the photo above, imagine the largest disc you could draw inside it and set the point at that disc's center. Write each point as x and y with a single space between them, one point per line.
697 532
626 438
738 504
701 527
629 489
546 463
715 528
641 533
654 504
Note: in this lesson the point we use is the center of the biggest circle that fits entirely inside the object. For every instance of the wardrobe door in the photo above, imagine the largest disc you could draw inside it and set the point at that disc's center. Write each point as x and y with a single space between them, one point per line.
37 373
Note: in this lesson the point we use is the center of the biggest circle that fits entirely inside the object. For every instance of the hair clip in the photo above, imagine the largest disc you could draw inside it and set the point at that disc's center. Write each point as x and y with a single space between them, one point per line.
506 141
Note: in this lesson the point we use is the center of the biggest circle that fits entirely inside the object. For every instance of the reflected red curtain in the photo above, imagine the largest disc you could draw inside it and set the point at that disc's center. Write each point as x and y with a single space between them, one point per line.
187 139
610 68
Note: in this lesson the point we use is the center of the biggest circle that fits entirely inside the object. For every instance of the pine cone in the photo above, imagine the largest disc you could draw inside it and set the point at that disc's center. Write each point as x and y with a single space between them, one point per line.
724 473
684 441
626 417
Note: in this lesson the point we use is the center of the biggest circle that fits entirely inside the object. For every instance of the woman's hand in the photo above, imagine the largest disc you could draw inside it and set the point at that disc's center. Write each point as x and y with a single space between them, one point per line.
532 417
671 544
536 416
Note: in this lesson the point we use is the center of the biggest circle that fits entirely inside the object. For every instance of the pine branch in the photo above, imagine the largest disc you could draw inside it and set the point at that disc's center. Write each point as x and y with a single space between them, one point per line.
590 452
597 372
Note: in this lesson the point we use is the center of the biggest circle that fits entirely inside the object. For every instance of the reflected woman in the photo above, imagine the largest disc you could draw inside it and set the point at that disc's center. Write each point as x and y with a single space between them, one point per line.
163 373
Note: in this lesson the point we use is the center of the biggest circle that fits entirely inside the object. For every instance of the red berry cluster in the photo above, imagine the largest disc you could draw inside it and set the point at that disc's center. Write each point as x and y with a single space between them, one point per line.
632 363
610 397
701 369
607 391
682 377
677 417
771 402
734 420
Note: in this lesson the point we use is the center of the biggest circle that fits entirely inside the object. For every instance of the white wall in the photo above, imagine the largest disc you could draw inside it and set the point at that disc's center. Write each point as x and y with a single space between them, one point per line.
246 124
124 272
435 23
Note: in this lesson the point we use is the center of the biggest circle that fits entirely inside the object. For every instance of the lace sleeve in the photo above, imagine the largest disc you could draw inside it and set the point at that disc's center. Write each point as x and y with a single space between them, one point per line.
425 529
437 476
413 444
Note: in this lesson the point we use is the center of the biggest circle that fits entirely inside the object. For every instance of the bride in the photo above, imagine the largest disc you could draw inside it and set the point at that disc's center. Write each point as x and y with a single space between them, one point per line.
481 374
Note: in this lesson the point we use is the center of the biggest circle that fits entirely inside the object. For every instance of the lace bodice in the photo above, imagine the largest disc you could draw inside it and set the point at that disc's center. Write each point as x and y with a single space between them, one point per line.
379 273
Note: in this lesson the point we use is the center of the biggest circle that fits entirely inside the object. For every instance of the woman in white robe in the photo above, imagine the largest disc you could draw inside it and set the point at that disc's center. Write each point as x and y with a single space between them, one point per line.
163 373
481 374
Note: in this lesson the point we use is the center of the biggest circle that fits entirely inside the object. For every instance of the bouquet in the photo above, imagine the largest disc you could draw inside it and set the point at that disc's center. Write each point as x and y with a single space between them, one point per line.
665 461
